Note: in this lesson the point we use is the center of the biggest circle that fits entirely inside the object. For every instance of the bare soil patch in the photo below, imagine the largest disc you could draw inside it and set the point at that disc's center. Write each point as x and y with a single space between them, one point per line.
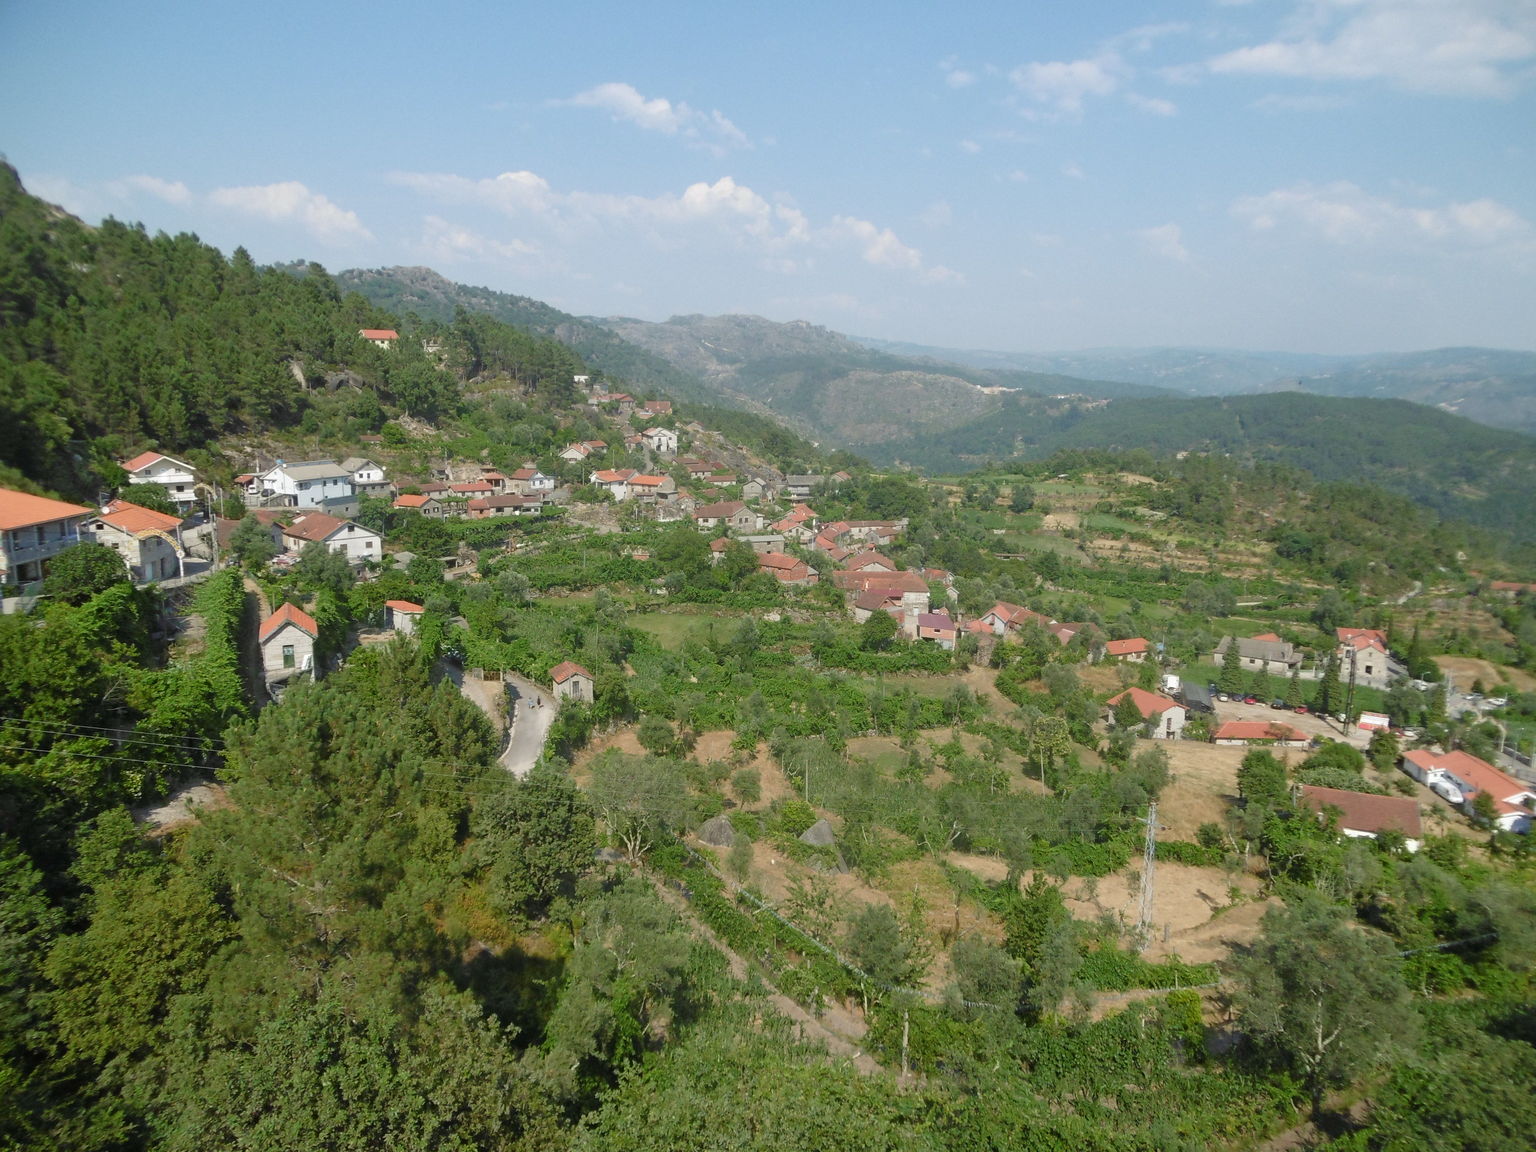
1202 788
1466 669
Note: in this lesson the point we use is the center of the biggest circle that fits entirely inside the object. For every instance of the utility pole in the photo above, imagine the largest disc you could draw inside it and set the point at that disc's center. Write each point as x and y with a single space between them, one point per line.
1148 870
1349 696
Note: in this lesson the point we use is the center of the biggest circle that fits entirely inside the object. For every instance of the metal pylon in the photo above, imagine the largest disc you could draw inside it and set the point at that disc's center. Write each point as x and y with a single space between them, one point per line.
1148 870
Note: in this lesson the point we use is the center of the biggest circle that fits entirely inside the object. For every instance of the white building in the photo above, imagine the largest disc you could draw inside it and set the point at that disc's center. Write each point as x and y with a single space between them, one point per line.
177 478
148 541
33 530
287 640
305 484
368 478
349 538
662 441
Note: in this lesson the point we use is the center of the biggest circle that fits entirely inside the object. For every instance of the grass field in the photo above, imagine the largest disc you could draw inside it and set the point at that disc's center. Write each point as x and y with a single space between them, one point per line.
674 629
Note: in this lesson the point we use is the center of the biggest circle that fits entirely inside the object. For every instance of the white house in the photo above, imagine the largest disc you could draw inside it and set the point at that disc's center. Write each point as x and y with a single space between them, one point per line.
287 640
368 478
1514 803
148 541
349 538
1365 816
529 481
379 337
402 616
572 682
33 530
1170 714
662 441
155 468
305 484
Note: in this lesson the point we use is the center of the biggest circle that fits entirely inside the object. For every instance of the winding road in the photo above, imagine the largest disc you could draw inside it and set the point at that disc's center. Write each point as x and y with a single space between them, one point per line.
522 705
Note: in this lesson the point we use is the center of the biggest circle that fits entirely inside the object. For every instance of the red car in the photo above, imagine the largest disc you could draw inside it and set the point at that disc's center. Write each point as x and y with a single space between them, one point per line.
1301 708
1250 699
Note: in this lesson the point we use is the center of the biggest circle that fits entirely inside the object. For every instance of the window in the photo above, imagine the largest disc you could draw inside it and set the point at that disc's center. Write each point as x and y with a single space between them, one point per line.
287 655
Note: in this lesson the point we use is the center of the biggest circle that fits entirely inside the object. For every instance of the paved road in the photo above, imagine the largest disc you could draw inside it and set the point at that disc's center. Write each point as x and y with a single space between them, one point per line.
530 724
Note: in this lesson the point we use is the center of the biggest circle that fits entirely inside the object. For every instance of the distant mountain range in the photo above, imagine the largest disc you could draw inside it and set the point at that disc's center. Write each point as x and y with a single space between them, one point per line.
1487 385
1395 421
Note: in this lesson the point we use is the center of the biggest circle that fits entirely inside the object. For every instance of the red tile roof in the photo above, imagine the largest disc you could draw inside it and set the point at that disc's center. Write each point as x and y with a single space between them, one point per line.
411 501
1149 704
562 672
379 334
21 509
142 460
314 526
1127 647
1364 812
1259 730
403 606
137 519
288 614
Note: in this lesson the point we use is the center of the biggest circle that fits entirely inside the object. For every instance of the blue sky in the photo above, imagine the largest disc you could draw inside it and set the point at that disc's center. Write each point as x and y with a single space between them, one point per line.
1328 175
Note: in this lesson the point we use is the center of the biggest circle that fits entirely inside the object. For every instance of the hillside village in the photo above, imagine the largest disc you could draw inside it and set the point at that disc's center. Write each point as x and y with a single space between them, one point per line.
552 744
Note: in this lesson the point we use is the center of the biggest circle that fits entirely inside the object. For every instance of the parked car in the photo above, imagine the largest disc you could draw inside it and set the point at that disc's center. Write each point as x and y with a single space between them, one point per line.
1301 708
1277 704
1250 699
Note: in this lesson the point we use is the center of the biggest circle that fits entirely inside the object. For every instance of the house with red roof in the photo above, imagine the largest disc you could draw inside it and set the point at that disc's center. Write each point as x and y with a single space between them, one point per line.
287 639
1363 654
148 541
572 682
869 561
529 481
1261 732
504 504
1132 651
1169 715
379 337
937 628
33 530
1362 815
178 478
1459 777
429 506
732 514
402 616
790 570
348 537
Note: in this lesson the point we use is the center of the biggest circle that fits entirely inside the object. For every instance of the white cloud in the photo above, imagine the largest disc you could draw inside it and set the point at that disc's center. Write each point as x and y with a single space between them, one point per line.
1471 47
1072 171
1344 213
171 191
702 213
1166 240
1156 105
969 147
1061 86
658 114
954 75
452 244
292 202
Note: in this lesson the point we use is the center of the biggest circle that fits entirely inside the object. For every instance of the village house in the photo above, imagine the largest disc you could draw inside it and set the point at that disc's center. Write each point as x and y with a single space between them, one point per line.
572 682
763 542
907 589
662 441
1459 777
403 616
1365 816
429 506
287 639
177 478
1004 619
699 469
731 514
790 570
1132 651
1265 652
529 481
149 542
938 628
321 484
504 504
379 337
349 538
1363 655
1267 732
753 488
651 489
33 530
801 487
869 561
614 481
583 450
653 408
1169 714
368 478
472 489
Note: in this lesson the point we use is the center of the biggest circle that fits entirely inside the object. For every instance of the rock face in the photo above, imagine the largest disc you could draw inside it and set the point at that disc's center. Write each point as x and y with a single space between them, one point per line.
819 835
718 831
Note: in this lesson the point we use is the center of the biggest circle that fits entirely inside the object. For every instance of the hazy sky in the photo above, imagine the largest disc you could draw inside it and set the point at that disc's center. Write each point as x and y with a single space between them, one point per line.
1329 175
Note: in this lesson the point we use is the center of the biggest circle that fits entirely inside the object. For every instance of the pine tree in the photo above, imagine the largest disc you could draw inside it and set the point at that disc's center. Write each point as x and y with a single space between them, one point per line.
1231 679
1329 698
1293 690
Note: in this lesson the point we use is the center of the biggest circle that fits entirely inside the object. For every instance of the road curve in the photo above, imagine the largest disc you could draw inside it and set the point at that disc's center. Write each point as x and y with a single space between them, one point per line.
532 712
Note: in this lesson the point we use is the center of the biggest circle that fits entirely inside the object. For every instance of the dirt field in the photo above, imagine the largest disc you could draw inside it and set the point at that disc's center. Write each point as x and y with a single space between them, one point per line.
1466 669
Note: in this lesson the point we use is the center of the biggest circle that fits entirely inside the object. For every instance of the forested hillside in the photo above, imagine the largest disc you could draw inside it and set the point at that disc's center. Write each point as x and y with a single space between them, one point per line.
112 340
434 297
1457 468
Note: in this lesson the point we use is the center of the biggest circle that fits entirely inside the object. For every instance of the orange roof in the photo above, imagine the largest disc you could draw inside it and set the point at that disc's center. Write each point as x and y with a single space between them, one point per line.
142 460
314 526
136 519
1149 704
1259 730
1127 647
20 509
1270 636
289 614
1365 812
411 501
403 606
379 334
1481 775
562 672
